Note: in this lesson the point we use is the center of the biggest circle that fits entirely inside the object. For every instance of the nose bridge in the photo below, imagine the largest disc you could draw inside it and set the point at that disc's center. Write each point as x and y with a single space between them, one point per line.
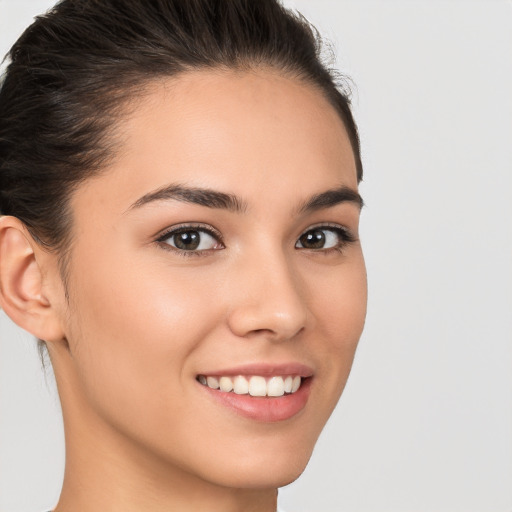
270 297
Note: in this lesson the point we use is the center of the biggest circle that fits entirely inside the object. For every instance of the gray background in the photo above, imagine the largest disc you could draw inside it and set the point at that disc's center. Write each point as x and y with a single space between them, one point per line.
425 423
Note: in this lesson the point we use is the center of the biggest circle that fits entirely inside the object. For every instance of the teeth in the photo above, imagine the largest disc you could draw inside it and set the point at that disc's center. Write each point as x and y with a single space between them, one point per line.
212 382
288 383
240 385
275 386
257 386
225 384
254 386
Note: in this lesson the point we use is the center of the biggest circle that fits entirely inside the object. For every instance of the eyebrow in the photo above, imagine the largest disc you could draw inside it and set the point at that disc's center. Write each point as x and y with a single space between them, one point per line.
221 200
201 196
331 198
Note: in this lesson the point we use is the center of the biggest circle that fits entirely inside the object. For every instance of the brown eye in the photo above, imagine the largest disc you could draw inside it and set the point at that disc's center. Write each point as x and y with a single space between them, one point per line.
324 238
314 239
187 239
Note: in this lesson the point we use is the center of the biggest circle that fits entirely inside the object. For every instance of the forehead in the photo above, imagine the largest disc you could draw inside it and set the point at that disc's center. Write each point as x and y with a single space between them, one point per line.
242 132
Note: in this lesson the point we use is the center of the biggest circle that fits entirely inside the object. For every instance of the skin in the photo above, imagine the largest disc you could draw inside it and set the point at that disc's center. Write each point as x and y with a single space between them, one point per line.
143 320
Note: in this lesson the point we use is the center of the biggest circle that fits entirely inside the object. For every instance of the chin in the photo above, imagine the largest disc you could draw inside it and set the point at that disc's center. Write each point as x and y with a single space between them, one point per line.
273 471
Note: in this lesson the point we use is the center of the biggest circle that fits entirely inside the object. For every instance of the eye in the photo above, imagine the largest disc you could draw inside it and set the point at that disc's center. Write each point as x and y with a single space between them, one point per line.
324 237
191 239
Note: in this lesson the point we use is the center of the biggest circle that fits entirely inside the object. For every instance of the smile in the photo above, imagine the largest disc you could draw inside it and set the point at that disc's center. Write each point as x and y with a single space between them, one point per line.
262 392
256 385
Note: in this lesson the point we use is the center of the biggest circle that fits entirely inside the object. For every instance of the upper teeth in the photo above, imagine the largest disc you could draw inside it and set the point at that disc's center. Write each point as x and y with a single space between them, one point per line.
254 386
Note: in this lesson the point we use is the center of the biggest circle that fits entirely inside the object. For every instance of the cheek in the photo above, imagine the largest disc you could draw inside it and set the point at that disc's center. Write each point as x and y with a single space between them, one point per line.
340 304
134 329
339 309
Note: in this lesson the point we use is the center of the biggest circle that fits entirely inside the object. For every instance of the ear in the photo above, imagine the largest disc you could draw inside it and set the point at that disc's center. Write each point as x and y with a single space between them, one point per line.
22 282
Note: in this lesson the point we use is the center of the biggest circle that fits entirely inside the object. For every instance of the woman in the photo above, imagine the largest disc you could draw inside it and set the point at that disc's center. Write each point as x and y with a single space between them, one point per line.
178 185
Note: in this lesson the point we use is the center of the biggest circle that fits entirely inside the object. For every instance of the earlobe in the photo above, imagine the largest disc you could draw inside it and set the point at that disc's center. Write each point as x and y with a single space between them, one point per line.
21 282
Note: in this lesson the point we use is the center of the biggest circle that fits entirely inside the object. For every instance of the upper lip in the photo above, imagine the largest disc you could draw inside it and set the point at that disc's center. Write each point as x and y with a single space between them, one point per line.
264 369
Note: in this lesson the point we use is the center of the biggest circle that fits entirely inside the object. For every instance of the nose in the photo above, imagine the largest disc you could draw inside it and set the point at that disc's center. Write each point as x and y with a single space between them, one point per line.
269 299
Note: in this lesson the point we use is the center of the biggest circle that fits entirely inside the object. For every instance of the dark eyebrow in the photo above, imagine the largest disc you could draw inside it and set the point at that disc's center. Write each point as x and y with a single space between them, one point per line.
201 196
215 199
331 198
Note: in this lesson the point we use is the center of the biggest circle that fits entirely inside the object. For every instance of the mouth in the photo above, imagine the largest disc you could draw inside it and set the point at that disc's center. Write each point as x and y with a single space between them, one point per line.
255 385
264 394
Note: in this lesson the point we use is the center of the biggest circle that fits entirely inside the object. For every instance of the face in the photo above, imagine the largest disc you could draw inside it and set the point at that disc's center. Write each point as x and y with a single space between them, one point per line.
219 248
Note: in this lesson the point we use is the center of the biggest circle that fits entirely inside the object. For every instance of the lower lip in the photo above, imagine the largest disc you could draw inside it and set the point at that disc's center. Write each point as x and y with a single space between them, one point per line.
264 409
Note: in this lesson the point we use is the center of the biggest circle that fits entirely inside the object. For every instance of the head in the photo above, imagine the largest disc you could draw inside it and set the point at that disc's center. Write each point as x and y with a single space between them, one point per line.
179 185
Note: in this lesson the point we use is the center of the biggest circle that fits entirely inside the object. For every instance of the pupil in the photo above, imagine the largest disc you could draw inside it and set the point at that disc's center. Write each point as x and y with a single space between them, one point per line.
187 240
313 239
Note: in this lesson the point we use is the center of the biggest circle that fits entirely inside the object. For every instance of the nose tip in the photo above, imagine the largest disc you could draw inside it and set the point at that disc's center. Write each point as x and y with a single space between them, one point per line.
271 304
277 326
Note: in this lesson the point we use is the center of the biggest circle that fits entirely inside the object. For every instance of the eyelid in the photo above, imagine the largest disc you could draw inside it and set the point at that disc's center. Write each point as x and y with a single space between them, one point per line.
188 226
331 225
344 232
199 226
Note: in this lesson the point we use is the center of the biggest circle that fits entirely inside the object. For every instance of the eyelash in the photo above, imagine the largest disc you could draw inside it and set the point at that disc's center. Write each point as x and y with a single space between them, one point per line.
345 236
184 228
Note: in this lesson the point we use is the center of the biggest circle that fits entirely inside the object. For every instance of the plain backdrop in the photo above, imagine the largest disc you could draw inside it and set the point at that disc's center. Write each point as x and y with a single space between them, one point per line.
425 423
